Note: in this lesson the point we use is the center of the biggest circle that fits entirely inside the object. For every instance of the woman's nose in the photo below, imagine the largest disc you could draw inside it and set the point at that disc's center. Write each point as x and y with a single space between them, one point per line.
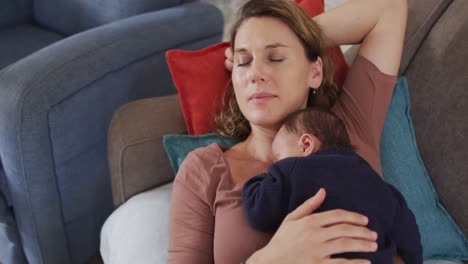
257 72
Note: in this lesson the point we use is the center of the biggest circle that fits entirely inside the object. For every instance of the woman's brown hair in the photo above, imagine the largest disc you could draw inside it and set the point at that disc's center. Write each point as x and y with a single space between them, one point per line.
229 121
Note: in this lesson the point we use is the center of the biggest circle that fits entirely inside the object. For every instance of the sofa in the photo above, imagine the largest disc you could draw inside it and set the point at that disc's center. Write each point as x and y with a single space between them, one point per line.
65 67
434 63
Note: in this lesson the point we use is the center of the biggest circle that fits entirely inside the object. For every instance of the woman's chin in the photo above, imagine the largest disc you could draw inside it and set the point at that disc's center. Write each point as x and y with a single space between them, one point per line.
266 121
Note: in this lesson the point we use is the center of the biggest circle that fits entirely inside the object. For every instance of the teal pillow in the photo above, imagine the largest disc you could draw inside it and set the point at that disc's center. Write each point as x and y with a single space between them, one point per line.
403 167
178 146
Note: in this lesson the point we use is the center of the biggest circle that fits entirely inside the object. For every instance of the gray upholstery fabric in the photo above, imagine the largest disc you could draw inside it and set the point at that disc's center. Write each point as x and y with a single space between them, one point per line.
438 81
422 15
10 249
55 107
13 12
73 16
3 186
19 41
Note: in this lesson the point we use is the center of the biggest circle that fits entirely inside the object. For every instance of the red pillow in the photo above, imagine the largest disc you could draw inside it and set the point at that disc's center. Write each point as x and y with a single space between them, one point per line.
200 77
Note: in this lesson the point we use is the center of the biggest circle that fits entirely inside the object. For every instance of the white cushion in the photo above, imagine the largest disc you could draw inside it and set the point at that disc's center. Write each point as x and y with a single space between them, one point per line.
137 231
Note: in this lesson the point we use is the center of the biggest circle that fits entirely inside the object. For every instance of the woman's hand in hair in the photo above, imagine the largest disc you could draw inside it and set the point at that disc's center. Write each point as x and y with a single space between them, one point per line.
312 238
229 62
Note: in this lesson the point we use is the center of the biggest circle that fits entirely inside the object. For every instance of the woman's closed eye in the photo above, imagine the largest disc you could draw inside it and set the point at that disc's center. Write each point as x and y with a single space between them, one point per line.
244 63
241 63
242 60
276 60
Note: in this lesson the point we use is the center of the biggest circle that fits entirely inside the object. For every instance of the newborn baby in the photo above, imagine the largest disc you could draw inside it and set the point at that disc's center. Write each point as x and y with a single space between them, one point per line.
312 150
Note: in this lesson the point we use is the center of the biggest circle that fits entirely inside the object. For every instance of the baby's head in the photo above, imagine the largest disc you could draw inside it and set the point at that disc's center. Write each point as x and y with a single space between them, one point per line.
307 131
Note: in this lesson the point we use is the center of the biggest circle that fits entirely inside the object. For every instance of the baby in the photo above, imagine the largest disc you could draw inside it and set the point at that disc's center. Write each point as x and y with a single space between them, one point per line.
312 150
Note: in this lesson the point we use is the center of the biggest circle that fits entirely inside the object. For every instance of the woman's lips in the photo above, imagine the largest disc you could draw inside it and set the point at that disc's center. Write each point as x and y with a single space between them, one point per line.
262 97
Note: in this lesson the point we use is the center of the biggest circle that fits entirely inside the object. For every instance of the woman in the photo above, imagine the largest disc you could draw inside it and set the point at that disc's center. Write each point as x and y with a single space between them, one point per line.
279 66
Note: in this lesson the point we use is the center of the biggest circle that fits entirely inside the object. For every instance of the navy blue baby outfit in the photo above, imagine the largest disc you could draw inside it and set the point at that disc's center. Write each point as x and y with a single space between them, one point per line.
351 184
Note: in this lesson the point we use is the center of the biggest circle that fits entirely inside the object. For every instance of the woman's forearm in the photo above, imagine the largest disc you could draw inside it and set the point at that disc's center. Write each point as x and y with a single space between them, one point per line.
350 22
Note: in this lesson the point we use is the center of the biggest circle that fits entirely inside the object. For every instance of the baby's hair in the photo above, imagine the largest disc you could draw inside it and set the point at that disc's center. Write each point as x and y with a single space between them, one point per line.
321 123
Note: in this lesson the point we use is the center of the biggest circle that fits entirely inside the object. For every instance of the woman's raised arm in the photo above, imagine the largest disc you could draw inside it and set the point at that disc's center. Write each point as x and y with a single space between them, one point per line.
378 25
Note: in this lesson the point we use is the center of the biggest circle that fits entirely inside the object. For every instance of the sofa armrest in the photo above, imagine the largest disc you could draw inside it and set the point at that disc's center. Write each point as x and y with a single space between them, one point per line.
137 160
71 17
55 109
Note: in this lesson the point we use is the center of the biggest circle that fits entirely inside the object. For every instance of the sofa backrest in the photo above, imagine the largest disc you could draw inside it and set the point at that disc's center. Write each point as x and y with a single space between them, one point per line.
72 16
438 81
422 15
15 12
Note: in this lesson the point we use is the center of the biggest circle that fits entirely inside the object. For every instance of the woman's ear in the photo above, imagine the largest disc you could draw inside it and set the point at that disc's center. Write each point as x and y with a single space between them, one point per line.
309 144
316 73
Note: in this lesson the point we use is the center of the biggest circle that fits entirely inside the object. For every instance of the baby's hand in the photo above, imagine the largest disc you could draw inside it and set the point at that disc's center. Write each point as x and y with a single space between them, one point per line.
228 63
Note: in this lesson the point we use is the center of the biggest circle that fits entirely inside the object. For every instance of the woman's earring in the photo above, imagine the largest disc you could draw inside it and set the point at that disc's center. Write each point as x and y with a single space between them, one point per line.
314 91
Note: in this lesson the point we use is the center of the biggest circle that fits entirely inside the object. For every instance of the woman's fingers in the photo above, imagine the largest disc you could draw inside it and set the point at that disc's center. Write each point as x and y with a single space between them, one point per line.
228 53
308 206
339 216
348 230
347 261
345 245
228 63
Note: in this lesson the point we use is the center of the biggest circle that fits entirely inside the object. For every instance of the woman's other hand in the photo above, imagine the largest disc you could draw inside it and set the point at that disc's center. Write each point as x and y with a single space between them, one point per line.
312 238
229 62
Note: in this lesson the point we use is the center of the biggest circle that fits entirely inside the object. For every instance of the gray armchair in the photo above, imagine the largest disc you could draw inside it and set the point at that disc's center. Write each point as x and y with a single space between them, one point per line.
65 67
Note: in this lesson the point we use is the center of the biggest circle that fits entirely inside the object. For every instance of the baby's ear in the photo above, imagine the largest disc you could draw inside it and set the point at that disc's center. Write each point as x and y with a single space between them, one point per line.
309 144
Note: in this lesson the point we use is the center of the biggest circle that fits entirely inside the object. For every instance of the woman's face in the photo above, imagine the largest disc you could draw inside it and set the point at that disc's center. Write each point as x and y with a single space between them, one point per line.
271 75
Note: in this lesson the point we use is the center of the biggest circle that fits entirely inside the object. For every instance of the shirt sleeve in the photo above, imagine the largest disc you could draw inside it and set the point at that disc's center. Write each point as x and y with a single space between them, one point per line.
363 104
405 232
265 197
191 218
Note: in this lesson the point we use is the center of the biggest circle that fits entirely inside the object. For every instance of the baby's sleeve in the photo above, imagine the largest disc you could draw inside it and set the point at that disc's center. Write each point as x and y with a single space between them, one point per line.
265 197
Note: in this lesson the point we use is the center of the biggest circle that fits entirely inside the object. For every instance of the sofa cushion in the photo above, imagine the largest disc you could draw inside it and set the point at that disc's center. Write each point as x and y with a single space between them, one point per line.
136 156
197 74
137 231
19 41
438 82
402 167
177 147
422 15
72 16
